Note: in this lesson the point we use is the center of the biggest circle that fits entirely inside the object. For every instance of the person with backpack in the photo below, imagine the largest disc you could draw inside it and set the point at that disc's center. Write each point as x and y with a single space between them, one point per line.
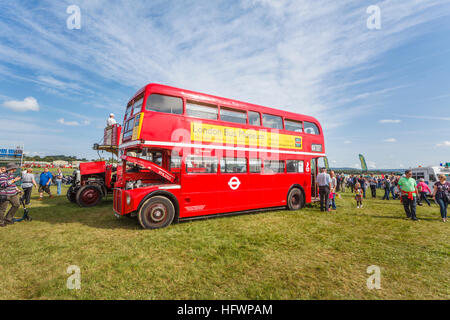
441 194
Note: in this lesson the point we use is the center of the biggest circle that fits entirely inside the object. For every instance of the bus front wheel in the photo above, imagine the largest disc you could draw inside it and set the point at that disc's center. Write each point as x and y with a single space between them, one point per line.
295 199
156 212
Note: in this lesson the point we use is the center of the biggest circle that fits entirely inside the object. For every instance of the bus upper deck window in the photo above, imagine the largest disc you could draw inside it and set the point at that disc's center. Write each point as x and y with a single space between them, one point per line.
166 104
274 122
137 105
253 118
232 115
202 110
311 128
293 125
129 111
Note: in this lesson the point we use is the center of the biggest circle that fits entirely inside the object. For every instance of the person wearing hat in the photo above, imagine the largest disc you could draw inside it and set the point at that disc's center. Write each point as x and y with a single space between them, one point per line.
111 121
9 193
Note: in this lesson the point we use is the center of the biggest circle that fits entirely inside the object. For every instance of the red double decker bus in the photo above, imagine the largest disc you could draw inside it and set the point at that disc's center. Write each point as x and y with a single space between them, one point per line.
187 154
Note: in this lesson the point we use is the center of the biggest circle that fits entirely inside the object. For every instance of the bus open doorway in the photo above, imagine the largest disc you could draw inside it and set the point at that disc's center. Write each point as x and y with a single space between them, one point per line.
316 164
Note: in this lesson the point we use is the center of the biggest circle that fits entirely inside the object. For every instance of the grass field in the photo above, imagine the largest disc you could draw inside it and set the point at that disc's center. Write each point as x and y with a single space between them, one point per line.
275 255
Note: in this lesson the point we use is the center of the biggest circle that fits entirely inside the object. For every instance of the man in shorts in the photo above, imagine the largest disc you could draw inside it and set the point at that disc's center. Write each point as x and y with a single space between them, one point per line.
45 181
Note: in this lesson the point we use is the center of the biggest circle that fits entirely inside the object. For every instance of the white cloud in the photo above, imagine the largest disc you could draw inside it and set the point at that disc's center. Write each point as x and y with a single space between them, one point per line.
347 142
390 140
300 55
58 84
389 121
28 104
444 144
288 50
73 123
68 123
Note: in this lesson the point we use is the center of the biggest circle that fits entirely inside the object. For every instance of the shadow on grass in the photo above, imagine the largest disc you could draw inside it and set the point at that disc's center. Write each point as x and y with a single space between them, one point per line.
60 211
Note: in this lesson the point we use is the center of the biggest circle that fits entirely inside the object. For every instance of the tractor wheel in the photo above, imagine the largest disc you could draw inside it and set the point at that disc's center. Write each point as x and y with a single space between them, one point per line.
71 194
89 196
295 199
157 212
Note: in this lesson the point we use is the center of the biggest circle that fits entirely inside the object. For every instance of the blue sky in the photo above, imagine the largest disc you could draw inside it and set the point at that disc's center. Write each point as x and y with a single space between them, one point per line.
384 93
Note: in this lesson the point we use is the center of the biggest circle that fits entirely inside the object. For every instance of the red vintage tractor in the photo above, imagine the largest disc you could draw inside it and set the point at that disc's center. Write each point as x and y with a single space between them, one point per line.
95 180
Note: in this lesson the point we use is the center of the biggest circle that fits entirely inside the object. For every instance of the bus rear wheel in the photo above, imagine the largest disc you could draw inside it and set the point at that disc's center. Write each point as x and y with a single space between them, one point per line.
156 212
295 199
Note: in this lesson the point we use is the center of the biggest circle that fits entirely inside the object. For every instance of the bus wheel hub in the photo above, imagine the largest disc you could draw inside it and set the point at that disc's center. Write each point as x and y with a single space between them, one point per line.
158 212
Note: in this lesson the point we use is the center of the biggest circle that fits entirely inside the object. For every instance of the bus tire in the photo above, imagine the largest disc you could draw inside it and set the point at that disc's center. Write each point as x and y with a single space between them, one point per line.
295 199
156 212
89 196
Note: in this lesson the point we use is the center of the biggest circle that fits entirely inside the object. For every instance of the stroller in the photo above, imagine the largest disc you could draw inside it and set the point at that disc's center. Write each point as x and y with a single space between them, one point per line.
26 216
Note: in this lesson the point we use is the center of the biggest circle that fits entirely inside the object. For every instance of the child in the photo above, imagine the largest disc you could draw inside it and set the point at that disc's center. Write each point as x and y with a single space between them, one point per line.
359 195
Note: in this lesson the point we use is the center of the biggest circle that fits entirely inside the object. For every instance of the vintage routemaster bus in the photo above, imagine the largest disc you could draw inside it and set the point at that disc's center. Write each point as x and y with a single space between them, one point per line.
187 154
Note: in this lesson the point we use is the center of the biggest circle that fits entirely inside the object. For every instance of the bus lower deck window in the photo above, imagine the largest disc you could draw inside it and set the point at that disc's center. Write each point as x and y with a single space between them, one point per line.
198 164
294 166
273 166
233 165
255 165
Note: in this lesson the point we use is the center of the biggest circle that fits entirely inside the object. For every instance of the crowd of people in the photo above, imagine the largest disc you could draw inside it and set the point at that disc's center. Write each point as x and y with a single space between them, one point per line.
11 194
404 188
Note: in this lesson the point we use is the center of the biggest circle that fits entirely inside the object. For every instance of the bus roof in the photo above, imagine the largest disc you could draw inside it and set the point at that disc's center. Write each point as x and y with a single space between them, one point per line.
207 98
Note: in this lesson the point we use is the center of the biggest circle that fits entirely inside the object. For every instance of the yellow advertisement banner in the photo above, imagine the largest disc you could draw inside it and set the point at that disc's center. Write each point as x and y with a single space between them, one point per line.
203 132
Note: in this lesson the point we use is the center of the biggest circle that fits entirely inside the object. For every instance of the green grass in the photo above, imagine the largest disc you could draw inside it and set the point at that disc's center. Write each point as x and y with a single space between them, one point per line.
275 255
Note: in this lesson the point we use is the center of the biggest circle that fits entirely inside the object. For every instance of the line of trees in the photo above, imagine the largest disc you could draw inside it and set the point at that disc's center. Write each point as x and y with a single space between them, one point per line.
53 158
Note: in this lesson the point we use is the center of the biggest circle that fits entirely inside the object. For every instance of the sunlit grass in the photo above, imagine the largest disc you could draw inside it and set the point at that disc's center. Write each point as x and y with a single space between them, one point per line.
275 255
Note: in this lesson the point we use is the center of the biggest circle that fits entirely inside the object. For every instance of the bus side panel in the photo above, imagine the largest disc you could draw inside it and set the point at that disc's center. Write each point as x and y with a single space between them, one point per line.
199 195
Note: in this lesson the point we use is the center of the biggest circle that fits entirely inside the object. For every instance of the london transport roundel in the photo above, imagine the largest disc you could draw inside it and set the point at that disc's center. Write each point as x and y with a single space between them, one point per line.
234 183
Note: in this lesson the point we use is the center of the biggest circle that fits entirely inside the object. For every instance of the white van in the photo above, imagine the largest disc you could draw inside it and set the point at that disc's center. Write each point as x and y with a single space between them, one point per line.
430 174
